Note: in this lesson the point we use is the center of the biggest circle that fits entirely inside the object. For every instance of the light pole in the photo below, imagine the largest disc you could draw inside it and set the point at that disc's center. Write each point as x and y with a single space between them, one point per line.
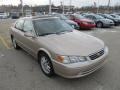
70 5
49 6
98 7
108 5
22 11
62 6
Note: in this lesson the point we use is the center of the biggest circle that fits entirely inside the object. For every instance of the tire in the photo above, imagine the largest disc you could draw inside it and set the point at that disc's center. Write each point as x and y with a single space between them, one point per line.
46 65
99 25
15 45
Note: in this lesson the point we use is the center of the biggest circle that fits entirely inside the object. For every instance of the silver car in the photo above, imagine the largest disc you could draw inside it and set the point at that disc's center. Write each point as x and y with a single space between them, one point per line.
57 47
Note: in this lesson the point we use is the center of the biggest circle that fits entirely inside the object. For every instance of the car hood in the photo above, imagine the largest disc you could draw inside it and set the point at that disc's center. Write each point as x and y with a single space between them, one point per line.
72 43
71 22
87 20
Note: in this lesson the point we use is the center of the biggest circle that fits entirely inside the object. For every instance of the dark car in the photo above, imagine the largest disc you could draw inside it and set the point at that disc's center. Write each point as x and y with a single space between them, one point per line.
68 21
15 15
83 22
115 20
100 21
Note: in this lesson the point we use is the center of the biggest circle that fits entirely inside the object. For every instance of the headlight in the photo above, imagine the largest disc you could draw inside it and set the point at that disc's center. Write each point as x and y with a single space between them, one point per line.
70 59
73 26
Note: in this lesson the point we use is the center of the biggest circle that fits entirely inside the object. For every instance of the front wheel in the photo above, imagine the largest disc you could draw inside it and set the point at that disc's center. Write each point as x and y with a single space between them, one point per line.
99 25
46 65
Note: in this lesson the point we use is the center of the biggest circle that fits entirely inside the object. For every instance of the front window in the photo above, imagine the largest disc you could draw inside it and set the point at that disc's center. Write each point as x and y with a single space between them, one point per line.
49 26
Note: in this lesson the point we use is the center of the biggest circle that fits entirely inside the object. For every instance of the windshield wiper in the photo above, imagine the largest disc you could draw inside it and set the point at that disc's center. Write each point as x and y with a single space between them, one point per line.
46 34
63 31
54 33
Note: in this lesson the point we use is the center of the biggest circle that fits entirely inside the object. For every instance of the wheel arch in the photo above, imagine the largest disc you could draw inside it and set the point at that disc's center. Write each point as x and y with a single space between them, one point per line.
99 22
42 50
11 36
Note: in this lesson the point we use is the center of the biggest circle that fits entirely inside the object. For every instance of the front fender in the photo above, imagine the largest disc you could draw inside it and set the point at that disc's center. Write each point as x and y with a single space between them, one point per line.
46 51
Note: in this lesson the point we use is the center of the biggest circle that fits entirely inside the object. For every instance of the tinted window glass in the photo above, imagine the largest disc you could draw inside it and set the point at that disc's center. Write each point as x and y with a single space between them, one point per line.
19 24
88 17
50 26
28 26
99 17
93 17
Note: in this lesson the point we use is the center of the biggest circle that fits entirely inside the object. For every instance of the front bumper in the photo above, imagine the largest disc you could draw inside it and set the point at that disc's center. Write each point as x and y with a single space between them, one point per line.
80 69
108 24
87 26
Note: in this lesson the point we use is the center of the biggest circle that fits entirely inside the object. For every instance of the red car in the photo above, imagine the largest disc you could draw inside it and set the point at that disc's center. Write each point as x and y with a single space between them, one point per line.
82 21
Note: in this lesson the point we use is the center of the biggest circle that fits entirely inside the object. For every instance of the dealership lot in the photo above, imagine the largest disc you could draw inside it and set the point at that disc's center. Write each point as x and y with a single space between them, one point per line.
20 71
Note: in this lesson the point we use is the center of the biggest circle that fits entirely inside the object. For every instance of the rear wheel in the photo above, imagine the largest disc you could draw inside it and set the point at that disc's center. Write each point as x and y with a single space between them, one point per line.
46 65
99 24
15 43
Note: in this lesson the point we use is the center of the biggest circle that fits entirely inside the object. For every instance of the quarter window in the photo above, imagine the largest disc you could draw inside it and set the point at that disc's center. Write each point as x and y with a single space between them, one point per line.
19 24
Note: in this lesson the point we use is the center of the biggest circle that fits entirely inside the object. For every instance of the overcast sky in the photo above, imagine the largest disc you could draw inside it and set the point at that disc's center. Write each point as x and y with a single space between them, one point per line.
77 3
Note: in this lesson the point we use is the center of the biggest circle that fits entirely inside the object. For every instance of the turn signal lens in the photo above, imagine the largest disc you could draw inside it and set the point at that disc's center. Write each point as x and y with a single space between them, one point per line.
60 58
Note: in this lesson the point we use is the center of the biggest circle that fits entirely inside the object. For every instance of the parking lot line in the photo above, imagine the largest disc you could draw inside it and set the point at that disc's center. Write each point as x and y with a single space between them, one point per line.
4 42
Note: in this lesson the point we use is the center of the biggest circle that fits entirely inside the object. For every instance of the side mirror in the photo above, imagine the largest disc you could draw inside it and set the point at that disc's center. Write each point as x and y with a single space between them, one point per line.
29 34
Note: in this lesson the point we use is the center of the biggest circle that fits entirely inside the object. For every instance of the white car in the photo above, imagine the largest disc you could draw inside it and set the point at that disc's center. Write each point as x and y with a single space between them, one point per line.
3 15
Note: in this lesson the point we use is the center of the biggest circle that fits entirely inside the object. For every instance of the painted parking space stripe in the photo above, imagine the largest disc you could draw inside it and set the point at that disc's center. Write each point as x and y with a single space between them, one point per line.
4 42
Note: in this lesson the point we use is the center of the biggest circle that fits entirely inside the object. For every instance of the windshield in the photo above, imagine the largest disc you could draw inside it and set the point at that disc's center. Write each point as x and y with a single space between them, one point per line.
108 16
79 16
99 17
51 26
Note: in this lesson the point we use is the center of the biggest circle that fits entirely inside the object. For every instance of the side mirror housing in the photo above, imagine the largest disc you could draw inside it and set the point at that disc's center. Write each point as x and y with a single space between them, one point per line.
29 34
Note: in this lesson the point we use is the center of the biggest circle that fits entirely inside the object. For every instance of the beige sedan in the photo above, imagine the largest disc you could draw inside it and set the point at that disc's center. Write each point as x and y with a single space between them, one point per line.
57 47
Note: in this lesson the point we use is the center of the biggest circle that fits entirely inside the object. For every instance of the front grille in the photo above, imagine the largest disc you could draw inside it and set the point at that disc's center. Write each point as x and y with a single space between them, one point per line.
93 67
91 22
96 55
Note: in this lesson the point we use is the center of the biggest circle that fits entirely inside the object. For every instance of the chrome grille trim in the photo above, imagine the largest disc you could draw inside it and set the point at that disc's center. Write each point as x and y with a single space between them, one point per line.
96 55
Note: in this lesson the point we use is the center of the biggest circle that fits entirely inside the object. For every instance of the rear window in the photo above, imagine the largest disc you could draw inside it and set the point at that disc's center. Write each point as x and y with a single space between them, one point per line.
19 24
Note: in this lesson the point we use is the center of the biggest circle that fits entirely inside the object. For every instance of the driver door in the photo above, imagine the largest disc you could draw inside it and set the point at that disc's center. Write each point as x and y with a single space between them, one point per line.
29 42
